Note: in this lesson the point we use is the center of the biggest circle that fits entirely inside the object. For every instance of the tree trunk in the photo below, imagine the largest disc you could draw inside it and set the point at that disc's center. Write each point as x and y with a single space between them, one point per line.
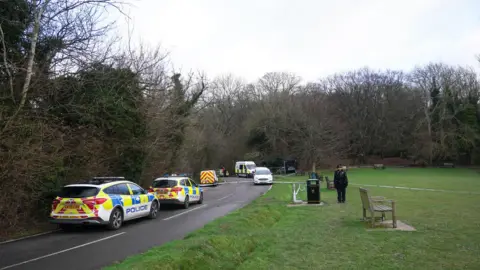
30 61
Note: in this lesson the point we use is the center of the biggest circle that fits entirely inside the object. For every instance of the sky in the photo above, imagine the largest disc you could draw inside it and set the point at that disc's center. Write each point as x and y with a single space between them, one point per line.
312 38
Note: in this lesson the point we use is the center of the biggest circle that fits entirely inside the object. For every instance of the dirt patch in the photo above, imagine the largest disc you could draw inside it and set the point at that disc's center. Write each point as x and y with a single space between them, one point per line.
387 226
306 204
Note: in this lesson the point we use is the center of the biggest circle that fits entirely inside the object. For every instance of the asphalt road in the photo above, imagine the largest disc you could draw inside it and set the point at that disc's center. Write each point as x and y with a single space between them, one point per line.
95 247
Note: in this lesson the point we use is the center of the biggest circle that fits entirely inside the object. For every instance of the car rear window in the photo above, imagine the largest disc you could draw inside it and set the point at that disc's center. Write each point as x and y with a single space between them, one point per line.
164 183
78 192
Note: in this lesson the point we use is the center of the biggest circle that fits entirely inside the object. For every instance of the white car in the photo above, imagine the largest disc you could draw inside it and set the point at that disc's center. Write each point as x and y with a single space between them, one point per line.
104 201
262 175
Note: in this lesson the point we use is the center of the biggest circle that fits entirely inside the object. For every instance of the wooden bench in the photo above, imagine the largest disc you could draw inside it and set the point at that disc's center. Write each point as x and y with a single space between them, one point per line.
376 204
379 166
299 172
330 184
448 165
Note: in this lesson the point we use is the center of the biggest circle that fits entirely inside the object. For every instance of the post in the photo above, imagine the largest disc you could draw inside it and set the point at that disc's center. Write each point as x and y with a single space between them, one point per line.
294 195
394 215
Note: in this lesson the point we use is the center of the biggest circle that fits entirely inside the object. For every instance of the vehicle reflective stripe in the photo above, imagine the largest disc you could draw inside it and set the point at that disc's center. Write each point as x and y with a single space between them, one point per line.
62 212
207 177
127 200
112 202
135 199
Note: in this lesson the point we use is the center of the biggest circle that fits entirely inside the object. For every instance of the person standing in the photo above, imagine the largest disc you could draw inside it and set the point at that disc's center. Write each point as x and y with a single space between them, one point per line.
340 181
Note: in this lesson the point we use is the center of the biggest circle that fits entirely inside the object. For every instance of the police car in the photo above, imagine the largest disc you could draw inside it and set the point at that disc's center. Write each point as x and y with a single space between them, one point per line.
176 190
104 201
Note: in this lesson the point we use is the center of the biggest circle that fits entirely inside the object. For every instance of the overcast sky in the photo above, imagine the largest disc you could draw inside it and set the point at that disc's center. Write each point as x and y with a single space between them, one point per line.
312 38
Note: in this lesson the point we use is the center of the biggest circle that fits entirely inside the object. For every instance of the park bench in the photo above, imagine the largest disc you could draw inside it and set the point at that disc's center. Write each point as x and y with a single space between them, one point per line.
378 166
376 204
448 165
300 172
330 184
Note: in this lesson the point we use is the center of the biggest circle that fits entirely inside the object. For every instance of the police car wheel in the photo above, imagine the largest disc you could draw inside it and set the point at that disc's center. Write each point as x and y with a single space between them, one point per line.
116 219
153 210
186 203
201 198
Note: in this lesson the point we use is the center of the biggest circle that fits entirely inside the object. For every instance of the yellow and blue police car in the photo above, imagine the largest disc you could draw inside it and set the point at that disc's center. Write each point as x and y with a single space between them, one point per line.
176 190
104 201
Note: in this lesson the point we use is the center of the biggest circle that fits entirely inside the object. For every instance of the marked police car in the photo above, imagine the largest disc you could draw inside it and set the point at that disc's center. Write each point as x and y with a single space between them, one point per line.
104 201
176 190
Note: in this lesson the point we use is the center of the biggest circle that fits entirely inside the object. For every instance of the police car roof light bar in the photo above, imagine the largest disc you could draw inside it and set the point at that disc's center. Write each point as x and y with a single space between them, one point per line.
105 179
175 174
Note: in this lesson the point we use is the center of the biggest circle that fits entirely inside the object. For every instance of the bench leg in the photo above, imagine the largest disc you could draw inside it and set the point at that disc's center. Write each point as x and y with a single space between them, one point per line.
383 216
364 214
373 218
394 216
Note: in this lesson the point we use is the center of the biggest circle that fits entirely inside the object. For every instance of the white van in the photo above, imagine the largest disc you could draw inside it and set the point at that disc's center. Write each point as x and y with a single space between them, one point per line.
245 168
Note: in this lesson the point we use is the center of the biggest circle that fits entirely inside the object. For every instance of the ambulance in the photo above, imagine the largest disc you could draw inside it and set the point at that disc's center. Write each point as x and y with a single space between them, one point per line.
245 168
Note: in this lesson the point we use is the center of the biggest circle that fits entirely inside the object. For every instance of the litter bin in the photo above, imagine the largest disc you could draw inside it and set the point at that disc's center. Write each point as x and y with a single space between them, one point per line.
313 191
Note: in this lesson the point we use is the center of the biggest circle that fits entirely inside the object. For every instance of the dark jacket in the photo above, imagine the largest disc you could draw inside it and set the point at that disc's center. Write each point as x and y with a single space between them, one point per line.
340 179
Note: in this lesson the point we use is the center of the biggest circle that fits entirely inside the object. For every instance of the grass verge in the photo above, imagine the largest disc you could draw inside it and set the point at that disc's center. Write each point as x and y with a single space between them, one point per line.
268 235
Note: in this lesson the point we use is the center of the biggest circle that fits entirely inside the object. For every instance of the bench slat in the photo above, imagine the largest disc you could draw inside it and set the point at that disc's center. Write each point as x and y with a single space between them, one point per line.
382 208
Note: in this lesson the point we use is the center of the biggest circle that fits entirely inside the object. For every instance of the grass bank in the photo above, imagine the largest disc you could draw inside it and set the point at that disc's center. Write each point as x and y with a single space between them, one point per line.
268 235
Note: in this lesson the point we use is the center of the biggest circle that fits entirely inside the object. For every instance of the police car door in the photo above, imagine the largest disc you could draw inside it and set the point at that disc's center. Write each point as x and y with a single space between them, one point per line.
188 190
125 199
139 206
181 195
195 194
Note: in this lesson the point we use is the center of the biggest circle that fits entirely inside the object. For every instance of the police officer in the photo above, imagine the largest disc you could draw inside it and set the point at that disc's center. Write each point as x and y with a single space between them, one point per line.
340 181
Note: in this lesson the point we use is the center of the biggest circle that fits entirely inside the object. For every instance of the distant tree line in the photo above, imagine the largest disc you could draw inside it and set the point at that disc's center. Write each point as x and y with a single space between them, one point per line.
74 105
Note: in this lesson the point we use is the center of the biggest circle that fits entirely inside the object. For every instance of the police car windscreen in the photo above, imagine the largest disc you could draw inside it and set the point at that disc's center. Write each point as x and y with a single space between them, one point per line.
164 183
78 192
262 172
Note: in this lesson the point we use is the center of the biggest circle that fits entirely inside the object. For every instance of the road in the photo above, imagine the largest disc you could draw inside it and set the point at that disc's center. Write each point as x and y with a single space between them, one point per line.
93 248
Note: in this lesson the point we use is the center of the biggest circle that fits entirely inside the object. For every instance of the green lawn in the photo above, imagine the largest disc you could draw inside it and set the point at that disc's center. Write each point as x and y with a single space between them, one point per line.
268 235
